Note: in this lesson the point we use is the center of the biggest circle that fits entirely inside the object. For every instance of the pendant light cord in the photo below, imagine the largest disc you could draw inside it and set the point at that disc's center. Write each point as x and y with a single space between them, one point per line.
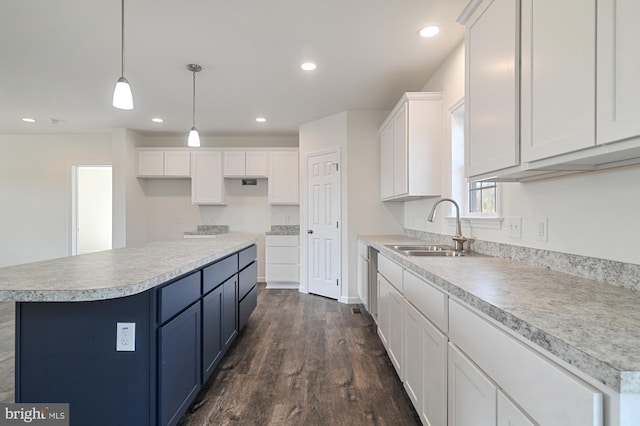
122 35
194 99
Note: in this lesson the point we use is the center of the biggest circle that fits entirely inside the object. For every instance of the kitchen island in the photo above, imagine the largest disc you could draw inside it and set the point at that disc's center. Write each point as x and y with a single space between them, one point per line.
128 336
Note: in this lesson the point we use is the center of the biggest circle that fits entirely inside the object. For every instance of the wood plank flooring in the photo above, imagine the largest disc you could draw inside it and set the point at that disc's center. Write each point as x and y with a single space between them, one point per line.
304 360
301 360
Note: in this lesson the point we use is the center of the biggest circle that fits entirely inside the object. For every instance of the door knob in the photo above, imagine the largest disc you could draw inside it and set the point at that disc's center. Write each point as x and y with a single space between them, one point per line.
309 231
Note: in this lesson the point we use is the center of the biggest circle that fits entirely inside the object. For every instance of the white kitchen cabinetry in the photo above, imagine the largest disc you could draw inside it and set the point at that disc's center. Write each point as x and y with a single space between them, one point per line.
245 164
396 329
410 141
618 70
159 163
283 178
509 414
492 104
282 261
472 395
558 77
207 184
383 310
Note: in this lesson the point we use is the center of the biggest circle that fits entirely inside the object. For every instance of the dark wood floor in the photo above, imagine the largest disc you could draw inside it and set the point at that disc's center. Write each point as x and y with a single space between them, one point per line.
304 360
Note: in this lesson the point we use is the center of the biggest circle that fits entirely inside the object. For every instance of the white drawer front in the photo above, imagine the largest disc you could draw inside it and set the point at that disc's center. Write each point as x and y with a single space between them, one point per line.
282 240
363 250
431 302
391 271
283 273
548 393
288 255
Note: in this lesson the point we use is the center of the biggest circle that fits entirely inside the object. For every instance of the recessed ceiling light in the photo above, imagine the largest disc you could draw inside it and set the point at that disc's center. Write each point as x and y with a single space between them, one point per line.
261 120
157 120
308 66
29 120
429 31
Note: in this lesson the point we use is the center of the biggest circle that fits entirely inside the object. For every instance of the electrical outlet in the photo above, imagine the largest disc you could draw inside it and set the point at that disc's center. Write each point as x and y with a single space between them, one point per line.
286 220
515 227
178 221
126 336
542 229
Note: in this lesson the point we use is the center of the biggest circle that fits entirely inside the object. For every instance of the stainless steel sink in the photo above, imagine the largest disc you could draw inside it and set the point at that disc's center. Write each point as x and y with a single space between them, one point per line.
426 250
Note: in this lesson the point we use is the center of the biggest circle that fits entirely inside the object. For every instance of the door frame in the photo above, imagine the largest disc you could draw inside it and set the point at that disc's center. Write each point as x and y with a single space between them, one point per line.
304 224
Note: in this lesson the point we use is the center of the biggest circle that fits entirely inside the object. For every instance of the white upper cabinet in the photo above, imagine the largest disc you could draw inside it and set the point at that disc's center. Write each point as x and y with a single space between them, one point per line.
245 163
207 184
558 77
492 104
283 177
163 163
410 142
618 70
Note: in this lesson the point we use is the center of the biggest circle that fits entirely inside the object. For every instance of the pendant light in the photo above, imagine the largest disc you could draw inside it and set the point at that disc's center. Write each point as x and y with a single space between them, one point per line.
122 97
194 138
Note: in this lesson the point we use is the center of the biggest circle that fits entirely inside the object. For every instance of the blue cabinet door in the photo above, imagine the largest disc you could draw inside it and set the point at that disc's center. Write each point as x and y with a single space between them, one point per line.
230 311
179 364
212 347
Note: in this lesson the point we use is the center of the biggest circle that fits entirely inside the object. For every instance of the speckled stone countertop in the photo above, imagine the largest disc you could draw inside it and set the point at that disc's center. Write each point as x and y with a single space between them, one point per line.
208 230
114 273
284 230
593 326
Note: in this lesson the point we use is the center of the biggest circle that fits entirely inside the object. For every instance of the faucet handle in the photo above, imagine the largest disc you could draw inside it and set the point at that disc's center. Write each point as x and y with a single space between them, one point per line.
459 242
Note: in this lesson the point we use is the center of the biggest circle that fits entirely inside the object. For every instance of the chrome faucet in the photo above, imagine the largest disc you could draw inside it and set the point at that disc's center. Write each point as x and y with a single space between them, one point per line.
458 239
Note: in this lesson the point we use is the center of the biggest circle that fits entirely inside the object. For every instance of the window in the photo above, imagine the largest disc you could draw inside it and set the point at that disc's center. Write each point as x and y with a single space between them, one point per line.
478 200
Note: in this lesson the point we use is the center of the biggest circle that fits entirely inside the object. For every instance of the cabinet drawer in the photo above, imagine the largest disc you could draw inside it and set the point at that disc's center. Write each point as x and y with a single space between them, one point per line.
246 307
218 273
548 393
282 240
287 255
391 271
283 273
178 295
247 256
363 250
431 302
248 279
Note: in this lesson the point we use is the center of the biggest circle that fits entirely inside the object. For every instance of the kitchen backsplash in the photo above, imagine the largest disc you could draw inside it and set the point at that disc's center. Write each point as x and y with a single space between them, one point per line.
620 274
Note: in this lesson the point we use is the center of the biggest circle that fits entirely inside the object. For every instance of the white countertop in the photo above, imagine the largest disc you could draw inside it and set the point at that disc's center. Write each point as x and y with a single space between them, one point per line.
114 273
593 326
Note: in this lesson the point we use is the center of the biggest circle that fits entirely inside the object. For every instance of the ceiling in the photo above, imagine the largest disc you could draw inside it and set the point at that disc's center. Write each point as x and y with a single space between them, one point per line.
61 59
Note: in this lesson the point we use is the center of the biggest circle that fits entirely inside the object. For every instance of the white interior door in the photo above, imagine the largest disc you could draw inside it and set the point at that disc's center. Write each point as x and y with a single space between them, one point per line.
323 233
93 209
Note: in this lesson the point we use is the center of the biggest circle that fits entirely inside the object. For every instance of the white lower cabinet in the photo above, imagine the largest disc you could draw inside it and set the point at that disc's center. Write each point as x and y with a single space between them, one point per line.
383 310
472 395
509 414
425 367
396 329
282 256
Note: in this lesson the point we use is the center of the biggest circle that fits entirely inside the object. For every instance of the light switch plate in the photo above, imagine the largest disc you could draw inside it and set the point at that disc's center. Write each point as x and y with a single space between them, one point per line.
542 229
126 337
515 227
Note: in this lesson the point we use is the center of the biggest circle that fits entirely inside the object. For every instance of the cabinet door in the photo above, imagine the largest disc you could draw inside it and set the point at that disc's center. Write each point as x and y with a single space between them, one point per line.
363 280
179 365
558 77
234 163
383 310
386 161
492 104
150 163
509 414
256 163
283 178
618 70
206 180
472 395
396 330
400 152
212 308
229 311
177 163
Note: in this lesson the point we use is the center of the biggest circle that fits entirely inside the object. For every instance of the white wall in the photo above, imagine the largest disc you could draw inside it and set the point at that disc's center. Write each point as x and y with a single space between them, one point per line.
355 134
589 214
35 192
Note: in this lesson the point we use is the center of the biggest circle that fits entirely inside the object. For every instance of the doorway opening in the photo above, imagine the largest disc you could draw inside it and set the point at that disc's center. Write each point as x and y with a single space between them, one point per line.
91 210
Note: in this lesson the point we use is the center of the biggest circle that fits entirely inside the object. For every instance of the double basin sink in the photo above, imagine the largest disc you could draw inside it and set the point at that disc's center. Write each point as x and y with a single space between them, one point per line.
426 250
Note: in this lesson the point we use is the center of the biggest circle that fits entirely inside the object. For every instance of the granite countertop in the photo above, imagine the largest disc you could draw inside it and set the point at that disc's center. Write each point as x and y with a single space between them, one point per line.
593 326
284 230
208 230
114 273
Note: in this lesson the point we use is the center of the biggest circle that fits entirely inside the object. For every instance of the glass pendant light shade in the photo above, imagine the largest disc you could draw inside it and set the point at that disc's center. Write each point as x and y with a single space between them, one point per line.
122 96
194 138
